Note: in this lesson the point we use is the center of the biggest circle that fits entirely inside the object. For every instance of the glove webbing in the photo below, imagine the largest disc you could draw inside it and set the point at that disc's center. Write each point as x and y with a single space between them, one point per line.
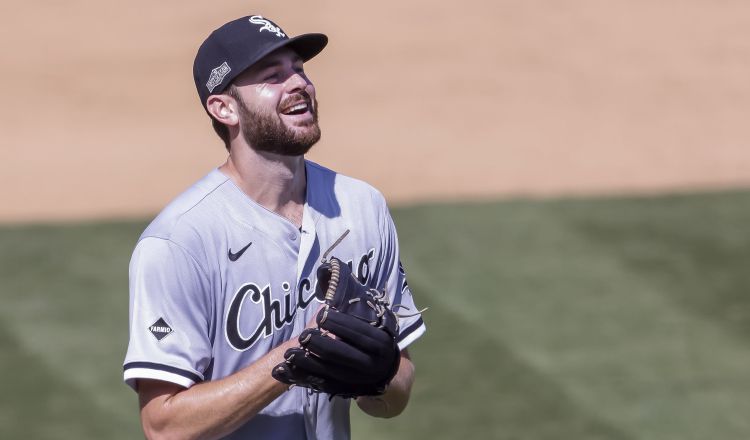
381 299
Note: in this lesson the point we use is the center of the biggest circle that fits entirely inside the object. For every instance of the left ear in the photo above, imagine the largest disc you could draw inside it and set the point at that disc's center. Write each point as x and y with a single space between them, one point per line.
224 109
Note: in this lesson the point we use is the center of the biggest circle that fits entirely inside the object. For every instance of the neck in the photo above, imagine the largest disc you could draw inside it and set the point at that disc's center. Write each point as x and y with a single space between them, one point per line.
277 183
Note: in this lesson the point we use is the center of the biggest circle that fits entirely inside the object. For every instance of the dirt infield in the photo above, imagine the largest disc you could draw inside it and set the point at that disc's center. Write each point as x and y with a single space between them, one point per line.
544 97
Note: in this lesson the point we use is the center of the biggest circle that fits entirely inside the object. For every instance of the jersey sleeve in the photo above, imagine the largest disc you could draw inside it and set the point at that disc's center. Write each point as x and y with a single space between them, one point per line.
390 274
169 315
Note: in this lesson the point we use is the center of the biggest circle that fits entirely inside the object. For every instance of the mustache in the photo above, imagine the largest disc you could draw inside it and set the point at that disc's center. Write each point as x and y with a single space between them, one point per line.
297 98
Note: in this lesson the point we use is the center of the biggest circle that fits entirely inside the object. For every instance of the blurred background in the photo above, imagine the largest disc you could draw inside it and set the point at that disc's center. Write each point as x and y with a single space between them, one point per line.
569 180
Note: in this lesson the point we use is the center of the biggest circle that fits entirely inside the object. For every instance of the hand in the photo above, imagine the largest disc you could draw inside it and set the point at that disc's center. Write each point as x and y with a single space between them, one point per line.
352 351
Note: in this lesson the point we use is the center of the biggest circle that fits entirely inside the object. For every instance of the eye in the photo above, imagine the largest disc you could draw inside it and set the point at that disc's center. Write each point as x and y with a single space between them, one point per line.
270 74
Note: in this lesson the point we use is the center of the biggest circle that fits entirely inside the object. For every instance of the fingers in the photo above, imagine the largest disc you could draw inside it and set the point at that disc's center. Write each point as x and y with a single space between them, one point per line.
325 369
356 332
335 351
343 356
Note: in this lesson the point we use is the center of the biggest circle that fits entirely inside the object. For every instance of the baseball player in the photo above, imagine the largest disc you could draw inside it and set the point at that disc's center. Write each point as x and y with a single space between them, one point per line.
223 281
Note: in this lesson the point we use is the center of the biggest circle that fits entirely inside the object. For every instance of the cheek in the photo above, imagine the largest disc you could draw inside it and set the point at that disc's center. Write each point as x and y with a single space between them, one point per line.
264 91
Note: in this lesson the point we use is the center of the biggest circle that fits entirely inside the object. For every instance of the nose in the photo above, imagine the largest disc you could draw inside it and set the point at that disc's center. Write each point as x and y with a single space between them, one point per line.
296 82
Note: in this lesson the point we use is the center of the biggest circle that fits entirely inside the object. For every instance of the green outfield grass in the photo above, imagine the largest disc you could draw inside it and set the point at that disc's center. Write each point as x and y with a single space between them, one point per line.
565 319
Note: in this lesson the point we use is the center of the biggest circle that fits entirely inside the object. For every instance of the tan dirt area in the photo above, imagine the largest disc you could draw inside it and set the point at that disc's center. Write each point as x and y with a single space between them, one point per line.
425 100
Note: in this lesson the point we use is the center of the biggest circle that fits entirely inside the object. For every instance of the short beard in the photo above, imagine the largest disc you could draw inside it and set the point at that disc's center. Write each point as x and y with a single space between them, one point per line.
266 132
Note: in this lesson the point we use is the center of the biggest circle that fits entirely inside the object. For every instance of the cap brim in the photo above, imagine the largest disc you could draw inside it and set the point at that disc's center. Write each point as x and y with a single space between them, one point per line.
307 45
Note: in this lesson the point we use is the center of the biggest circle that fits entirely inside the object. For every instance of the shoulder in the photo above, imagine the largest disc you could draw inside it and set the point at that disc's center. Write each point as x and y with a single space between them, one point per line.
193 210
344 188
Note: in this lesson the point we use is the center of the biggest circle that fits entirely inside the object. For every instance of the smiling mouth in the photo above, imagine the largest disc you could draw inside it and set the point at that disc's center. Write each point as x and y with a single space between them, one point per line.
297 104
296 109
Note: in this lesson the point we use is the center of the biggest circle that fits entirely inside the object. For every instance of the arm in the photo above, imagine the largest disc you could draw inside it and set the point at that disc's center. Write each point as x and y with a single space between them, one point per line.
213 409
394 401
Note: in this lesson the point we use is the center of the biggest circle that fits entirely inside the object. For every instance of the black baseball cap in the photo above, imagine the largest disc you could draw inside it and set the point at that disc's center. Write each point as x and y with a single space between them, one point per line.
239 44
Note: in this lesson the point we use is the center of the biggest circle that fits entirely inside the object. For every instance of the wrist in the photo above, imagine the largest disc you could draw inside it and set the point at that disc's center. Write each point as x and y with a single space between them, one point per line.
375 406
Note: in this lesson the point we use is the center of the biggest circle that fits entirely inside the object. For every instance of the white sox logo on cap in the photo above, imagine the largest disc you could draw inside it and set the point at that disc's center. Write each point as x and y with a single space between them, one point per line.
267 25
217 76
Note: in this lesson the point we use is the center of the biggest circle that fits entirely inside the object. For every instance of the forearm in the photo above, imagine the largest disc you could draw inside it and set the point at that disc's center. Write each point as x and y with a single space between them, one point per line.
396 397
213 409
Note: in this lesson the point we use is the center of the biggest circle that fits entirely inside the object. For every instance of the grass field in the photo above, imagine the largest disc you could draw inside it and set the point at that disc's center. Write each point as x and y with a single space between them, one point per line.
564 319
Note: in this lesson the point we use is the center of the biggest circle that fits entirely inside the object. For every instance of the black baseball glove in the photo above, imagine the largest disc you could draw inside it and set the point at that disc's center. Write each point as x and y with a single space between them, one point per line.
353 352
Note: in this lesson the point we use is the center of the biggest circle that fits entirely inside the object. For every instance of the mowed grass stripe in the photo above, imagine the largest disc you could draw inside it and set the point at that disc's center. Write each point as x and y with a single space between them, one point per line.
699 255
693 252
506 289
39 403
65 307
570 306
471 385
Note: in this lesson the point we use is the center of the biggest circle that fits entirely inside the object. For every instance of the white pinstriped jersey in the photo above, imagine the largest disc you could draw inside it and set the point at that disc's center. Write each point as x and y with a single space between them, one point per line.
217 281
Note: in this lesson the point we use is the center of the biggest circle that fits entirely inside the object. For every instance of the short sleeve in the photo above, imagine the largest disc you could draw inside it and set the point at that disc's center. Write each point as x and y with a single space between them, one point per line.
391 276
169 315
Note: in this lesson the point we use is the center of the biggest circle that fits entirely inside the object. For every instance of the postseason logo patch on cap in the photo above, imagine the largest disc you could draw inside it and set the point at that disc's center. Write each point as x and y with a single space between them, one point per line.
217 76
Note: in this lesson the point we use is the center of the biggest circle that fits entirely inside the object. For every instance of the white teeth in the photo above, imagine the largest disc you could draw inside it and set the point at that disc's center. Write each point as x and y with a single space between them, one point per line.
296 107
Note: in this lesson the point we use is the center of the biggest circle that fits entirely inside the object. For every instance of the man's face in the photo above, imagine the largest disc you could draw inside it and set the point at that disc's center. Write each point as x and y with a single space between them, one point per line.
277 106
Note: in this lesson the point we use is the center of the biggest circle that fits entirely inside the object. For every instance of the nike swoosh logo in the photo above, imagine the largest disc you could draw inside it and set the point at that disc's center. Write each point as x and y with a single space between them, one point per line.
234 257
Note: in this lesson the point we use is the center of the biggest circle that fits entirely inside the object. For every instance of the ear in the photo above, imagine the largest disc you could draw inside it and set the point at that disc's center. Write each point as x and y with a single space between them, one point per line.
223 108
